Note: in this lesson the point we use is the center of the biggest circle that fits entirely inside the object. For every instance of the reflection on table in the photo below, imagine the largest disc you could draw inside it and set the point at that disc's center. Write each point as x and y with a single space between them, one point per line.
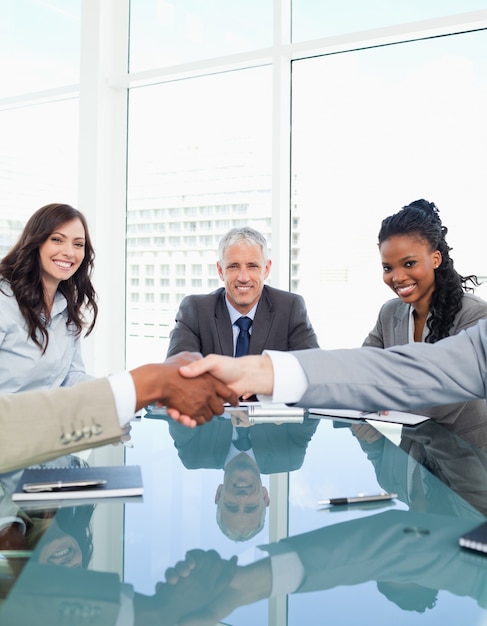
401 558
241 499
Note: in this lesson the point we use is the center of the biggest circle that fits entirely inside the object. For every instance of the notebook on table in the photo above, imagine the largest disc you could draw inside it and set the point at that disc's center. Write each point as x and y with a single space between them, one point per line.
78 483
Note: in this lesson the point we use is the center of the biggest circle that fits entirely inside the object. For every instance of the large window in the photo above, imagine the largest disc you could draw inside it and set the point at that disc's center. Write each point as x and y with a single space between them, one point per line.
39 45
198 149
309 120
38 160
312 19
374 130
165 33
39 57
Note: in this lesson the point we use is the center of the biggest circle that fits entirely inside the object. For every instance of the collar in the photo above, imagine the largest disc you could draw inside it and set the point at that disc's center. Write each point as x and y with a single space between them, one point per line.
411 326
234 314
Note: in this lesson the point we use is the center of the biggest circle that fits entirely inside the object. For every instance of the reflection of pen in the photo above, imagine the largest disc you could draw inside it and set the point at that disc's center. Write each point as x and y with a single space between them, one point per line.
360 498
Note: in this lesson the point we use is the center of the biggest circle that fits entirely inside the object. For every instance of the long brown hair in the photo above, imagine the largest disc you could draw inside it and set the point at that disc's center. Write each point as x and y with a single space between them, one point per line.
21 268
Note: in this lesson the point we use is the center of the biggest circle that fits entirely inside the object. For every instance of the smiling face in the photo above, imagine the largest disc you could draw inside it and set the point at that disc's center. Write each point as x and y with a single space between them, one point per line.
62 549
242 497
243 269
409 269
62 253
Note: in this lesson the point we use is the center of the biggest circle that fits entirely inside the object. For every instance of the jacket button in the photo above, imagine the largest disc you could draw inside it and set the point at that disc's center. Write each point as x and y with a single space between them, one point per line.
66 438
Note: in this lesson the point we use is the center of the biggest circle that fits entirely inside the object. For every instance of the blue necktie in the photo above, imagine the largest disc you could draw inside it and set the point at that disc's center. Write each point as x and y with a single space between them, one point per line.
242 442
243 339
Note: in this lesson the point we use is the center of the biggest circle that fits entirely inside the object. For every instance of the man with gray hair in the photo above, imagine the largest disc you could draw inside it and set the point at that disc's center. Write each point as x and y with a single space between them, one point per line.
245 316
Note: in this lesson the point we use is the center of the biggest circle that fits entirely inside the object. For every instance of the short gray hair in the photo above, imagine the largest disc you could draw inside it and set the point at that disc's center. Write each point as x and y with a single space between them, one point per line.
244 233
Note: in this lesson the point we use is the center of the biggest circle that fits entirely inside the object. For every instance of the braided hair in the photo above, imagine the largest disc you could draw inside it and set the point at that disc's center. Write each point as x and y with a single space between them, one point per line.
421 218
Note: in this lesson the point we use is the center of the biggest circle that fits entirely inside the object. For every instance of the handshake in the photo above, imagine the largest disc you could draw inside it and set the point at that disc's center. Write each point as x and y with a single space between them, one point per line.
202 589
194 389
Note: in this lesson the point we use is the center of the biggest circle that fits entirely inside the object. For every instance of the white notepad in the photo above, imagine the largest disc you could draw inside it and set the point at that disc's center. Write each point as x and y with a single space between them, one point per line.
395 417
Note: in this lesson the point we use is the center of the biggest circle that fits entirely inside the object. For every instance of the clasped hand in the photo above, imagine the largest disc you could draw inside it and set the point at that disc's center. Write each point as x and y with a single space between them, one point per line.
193 586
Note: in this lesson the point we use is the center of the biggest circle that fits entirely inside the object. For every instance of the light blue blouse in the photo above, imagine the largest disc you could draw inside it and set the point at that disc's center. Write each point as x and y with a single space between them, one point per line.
22 365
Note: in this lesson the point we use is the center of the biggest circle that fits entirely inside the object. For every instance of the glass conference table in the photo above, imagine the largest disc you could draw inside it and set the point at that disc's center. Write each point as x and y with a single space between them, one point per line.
395 561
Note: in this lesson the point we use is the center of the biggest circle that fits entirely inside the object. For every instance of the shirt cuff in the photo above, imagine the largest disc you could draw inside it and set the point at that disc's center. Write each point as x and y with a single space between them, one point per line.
290 382
286 567
123 389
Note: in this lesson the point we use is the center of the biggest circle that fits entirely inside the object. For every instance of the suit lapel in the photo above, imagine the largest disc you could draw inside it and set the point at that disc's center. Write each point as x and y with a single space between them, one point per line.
401 326
223 325
264 316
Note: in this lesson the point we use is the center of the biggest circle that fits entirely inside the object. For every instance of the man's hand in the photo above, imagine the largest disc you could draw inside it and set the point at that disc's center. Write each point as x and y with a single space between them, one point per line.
249 584
207 588
246 375
191 585
197 399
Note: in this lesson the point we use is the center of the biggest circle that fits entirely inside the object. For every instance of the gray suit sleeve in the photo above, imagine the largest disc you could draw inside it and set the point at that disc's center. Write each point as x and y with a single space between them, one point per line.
185 334
401 377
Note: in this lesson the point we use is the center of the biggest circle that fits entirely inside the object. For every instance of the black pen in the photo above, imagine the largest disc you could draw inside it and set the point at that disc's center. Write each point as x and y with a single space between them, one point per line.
360 498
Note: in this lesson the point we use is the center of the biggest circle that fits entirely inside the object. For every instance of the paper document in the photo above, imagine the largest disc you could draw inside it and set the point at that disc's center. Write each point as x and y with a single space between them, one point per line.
396 417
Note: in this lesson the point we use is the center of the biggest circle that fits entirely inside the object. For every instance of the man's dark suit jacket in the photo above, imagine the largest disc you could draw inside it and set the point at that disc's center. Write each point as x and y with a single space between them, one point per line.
276 447
203 324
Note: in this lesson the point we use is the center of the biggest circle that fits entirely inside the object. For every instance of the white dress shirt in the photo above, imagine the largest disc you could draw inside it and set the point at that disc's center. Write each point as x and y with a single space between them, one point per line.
234 316
290 381
123 389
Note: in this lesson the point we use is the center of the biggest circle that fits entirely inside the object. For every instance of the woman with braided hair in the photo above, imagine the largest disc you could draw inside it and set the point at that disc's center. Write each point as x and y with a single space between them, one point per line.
433 300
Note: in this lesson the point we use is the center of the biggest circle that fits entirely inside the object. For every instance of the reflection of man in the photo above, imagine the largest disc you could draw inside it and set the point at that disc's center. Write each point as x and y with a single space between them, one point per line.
274 447
244 454
241 500
210 323
37 426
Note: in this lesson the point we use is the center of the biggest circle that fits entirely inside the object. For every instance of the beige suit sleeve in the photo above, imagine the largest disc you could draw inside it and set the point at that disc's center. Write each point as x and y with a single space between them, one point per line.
41 425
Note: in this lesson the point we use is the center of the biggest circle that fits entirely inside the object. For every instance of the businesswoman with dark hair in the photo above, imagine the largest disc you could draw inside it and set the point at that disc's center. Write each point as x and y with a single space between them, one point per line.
45 293
433 300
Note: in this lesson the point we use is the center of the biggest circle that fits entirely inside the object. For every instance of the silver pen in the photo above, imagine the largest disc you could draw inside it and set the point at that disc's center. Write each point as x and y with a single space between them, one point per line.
59 485
360 498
